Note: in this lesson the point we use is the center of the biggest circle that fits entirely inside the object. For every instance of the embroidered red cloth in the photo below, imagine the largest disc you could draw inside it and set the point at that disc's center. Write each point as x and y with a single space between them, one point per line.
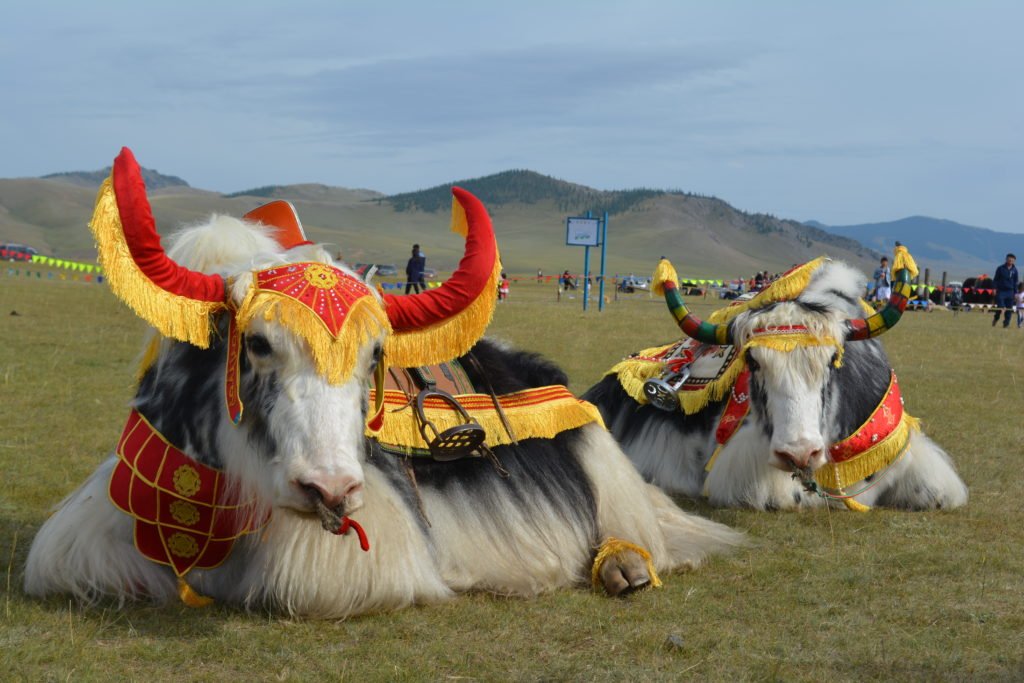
735 410
325 290
883 422
186 514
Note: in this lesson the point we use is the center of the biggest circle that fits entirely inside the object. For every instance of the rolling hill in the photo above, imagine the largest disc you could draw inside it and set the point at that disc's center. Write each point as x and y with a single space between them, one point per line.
704 236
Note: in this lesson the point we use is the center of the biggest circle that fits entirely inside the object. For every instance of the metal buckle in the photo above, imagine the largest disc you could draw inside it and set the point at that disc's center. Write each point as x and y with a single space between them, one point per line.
455 442
663 392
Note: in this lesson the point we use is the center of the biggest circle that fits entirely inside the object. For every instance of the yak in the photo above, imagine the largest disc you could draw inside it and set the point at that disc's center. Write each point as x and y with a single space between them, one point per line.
786 400
249 471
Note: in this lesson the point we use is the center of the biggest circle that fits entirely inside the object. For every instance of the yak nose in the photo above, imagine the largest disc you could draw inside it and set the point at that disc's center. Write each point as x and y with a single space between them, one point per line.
341 492
799 454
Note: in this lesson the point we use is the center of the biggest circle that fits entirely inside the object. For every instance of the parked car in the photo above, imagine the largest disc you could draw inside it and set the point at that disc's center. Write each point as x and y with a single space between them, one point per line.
16 252
631 284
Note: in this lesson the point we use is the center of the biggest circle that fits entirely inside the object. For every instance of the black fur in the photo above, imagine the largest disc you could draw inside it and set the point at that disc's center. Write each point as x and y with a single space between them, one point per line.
182 396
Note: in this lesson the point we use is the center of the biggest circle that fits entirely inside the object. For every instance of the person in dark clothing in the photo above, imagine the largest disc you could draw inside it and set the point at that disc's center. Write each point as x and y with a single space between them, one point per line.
1005 282
414 270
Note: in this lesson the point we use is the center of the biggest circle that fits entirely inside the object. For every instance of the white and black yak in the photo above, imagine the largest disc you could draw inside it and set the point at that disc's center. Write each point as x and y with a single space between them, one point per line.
248 438
782 401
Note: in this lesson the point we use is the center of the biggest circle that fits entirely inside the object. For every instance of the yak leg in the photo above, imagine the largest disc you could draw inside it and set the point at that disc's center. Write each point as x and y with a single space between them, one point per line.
632 510
624 572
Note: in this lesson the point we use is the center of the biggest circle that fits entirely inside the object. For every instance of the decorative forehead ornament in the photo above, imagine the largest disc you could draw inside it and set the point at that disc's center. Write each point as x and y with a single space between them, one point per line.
332 311
785 338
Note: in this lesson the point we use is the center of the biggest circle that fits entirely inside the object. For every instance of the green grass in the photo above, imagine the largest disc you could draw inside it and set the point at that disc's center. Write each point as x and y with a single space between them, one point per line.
821 595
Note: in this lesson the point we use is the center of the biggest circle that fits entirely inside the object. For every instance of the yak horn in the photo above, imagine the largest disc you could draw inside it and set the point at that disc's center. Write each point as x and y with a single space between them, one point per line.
904 270
176 301
443 323
664 283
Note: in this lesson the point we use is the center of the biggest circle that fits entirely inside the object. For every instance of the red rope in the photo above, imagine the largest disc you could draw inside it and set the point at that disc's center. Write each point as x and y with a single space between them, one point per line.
346 524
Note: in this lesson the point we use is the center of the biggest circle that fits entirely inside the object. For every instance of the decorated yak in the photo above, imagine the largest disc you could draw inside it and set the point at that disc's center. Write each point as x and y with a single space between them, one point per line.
785 400
266 463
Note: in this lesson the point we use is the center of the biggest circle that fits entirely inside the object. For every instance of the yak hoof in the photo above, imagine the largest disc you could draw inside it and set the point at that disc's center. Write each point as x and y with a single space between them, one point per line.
624 573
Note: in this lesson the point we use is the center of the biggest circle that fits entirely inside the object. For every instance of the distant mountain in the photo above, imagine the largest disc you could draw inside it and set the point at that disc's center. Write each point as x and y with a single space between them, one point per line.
704 236
961 250
311 191
93 179
526 187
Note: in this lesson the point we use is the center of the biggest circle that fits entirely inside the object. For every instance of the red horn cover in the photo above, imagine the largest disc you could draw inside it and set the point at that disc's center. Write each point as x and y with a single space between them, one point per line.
144 243
419 311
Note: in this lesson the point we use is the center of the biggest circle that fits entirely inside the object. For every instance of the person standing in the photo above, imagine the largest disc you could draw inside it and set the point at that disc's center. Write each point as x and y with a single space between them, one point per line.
414 270
1005 282
883 280
1019 300
503 287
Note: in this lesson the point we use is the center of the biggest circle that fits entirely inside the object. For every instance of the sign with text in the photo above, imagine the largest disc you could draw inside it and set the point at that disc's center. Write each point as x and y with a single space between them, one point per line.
582 232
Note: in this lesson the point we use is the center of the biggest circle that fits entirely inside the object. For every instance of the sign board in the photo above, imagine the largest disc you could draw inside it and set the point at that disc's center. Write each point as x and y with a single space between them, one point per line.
582 232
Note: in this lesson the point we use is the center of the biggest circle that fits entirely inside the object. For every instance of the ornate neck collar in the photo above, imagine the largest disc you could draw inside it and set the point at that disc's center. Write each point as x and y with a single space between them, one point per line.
187 515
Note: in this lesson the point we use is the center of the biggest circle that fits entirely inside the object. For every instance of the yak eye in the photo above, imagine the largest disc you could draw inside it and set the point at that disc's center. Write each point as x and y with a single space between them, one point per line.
377 353
258 345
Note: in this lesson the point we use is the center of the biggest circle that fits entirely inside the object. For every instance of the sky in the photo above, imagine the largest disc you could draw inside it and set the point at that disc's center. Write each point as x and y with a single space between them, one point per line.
841 112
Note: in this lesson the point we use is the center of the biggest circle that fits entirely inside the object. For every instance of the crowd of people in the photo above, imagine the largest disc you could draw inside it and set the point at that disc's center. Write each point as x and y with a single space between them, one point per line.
1009 290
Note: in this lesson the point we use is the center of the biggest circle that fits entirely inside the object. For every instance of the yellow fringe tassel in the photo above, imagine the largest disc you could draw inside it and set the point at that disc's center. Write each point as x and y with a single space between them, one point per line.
190 597
854 506
785 288
633 372
334 357
455 335
901 259
173 316
663 272
616 546
837 475
539 421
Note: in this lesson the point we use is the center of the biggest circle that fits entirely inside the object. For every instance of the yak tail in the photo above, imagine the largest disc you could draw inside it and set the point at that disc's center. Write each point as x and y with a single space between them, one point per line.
690 539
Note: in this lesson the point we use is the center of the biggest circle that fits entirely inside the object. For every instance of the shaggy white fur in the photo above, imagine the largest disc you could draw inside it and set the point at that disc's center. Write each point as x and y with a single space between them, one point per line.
802 401
427 542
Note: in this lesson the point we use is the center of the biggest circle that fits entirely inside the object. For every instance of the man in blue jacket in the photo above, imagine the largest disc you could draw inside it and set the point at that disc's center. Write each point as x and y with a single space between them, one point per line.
1005 282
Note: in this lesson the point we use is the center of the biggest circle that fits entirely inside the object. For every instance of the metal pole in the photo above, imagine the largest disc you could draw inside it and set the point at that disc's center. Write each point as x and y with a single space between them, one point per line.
604 252
586 276
586 273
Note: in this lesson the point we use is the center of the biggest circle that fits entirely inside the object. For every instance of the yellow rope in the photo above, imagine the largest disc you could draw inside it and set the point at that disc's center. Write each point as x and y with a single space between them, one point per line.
616 547
190 597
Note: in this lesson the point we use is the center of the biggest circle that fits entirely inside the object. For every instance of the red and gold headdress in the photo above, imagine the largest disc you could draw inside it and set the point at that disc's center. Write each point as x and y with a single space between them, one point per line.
333 311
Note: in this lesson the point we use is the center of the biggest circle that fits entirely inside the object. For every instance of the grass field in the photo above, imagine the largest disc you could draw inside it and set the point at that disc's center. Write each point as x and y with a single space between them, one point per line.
820 595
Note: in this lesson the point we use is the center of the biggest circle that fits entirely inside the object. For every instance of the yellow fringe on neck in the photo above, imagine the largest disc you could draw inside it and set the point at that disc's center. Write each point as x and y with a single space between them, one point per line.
838 475
453 336
786 288
172 315
334 358
529 413
613 547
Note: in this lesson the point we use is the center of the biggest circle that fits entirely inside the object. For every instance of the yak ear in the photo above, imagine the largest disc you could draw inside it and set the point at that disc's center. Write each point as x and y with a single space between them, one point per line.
443 323
176 301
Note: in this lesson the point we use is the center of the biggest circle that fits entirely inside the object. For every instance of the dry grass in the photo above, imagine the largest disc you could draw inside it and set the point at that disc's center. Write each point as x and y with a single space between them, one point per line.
879 596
